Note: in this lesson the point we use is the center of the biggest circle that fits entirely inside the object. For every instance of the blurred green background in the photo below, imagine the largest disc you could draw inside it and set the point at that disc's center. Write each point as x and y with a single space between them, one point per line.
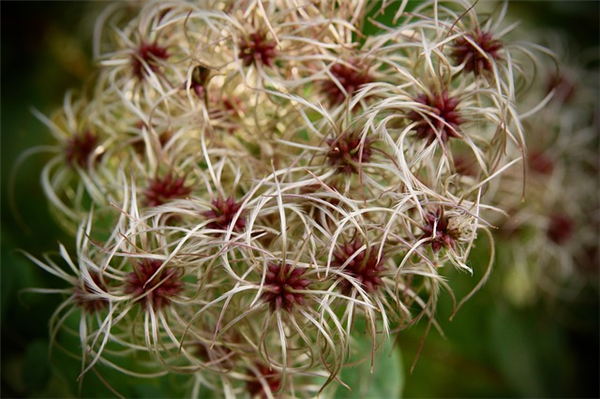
490 349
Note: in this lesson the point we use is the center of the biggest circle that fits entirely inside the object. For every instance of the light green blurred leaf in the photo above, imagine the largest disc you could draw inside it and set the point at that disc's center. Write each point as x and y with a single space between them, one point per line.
387 379
522 353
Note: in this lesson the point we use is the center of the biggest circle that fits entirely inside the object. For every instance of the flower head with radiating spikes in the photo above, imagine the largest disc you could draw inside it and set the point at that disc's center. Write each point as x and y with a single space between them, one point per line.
350 77
283 286
476 51
80 148
165 188
348 151
257 49
87 295
148 56
152 286
438 232
261 178
222 214
440 121
361 262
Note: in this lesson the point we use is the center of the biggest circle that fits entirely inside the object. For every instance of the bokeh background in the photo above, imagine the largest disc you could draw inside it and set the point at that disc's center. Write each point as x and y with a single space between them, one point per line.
490 349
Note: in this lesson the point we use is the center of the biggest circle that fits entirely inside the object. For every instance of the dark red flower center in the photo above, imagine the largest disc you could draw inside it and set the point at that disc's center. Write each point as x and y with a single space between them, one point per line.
560 228
222 213
347 152
200 76
86 294
351 77
565 87
540 163
364 265
153 292
438 232
148 56
80 148
440 120
272 379
163 189
257 49
476 51
282 283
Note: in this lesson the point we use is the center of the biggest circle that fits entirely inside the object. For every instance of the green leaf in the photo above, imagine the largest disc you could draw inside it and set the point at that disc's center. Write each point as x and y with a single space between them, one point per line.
528 353
387 379
147 390
36 371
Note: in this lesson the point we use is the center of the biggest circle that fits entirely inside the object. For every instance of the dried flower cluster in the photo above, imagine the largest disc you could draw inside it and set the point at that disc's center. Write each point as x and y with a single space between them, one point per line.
255 176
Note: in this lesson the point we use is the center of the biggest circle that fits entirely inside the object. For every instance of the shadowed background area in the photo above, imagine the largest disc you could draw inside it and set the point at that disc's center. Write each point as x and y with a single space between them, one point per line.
491 349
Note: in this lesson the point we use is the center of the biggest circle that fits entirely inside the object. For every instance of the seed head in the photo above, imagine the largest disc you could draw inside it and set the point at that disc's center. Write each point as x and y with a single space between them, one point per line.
80 148
159 290
222 213
256 49
85 295
150 55
560 228
465 165
346 152
163 189
365 266
476 51
540 163
438 232
446 121
272 378
281 285
350 77
566 88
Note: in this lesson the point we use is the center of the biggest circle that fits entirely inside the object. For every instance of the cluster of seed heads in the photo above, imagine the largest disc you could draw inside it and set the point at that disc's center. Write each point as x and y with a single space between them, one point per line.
247 179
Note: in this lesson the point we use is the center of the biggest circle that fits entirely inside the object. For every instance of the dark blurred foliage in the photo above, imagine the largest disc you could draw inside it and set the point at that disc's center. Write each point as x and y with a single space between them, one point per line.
578 20
45 51
490 349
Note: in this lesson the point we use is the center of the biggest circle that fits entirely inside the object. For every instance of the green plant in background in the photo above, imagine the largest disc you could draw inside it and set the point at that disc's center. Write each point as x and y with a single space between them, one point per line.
262 197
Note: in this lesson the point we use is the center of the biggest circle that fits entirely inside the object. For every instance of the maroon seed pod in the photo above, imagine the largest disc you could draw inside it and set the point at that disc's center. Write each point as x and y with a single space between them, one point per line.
351 78
86 298
281 285
80 148
540 163
150 55
365 266
436 229
222 214
565 88
256 49
346 152
447 122
272 378
200 76
464 51
560 228
159 290
163 189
